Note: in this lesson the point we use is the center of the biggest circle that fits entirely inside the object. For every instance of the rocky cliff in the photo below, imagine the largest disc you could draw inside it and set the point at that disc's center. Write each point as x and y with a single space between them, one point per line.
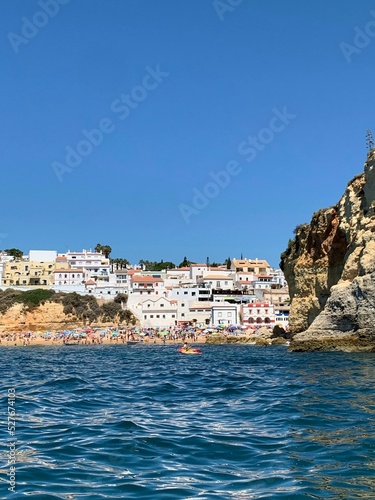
330 269
47 316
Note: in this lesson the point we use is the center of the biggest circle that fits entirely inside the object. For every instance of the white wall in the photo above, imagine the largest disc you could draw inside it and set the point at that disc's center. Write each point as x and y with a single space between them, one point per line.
42 255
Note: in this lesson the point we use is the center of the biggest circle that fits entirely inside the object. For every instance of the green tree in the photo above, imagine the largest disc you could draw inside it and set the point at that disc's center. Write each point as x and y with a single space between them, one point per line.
122 299
104 249
228 263
14 252
120 263
185 263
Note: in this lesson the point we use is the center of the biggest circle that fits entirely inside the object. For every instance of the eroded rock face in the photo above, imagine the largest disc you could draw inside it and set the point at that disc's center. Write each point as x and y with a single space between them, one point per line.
330 269
48 316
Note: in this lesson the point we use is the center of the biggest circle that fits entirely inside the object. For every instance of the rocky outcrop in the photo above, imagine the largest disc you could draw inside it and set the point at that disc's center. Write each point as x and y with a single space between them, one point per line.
47 316
330 269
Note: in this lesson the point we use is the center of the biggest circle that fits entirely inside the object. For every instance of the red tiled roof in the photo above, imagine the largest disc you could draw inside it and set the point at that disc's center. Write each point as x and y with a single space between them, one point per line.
146 279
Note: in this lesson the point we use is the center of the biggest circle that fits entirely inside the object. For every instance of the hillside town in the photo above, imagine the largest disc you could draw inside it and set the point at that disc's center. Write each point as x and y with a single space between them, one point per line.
246 293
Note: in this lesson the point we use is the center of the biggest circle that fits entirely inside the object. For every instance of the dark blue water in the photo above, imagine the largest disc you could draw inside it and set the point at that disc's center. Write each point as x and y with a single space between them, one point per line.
146 422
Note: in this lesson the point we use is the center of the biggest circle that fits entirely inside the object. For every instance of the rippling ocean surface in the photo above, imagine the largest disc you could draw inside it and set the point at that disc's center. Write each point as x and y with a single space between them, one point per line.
96 422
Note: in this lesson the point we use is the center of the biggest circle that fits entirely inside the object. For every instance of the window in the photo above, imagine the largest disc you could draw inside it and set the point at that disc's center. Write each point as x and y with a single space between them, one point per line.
161 305
158 315
183 305
225 282
182 314
145 316
151 315
173 315
185 293
163 315
229 314
192 293
148 305
219 314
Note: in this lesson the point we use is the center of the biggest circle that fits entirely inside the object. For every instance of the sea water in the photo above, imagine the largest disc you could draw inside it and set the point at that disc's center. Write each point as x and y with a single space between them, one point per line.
146 422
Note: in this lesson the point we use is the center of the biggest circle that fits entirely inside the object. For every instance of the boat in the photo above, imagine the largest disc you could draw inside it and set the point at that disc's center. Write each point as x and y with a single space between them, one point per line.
71 343
190 351
132 342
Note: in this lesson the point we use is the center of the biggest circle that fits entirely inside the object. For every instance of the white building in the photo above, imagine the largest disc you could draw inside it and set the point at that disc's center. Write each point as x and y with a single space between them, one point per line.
218 282
69 277
197 271
94 264
200 313
122 278
282 316
161 312
223 313
258 314
42 255
190 293
146 285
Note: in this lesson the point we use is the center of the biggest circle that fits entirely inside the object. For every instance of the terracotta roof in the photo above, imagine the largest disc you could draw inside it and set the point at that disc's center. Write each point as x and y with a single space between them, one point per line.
133 271
180 269
199 265
60 258
146 279
90 282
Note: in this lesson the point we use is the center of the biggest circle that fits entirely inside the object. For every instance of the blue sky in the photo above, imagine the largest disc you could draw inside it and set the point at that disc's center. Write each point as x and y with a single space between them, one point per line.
224 72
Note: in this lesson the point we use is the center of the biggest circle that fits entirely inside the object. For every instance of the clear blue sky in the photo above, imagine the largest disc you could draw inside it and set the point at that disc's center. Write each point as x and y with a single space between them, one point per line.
225 78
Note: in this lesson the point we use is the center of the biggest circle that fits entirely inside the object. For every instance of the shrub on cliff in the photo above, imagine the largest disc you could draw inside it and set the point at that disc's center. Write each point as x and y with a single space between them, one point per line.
30 299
